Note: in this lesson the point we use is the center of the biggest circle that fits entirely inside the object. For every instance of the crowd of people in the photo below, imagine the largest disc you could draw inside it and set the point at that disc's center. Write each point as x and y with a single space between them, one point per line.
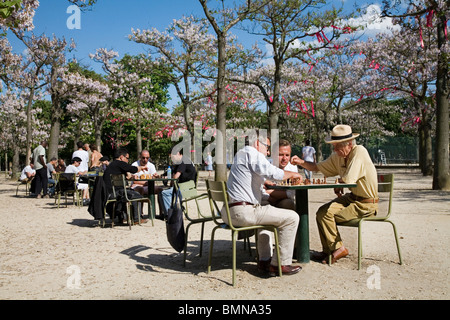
251 202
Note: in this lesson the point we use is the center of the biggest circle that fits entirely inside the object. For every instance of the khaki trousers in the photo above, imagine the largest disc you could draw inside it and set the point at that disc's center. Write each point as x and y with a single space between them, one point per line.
285 220
339 210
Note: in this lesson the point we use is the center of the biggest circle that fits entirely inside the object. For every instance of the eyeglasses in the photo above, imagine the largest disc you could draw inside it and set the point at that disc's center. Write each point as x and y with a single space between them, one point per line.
145 157
266 145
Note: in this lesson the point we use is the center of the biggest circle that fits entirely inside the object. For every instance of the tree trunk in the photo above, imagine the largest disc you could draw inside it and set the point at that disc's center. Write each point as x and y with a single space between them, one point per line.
98 124
441 176
54 138
29 126
221 166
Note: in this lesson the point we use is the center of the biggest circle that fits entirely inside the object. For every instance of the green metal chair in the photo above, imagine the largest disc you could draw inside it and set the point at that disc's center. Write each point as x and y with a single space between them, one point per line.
67 185
385 186
119 181
26 183
189 193
217 194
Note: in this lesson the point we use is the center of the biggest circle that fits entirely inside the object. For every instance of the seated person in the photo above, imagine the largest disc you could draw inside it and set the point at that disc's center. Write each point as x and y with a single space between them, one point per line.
95 158
184 171
75 168
120 166
281 198
27 173
50 172
141 186
61 166
104 162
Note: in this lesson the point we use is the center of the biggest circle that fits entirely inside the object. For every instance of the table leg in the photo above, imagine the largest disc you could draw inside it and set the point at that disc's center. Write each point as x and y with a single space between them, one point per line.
301 207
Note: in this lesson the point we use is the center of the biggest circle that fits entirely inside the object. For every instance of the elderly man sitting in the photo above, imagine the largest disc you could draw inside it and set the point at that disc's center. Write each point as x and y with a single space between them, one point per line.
354 165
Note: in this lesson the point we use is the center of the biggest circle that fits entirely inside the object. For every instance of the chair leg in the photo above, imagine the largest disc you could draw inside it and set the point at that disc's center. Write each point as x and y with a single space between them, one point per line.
234 240
396 241
186 243
359 244
211 248
201 239
113 214
128 215
277 249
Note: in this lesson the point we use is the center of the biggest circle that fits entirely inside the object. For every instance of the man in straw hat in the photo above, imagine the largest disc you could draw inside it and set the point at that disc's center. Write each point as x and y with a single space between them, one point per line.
354 165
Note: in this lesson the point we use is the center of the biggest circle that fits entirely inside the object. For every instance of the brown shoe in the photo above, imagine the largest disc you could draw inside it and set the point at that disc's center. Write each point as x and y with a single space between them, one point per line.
334 258
142 221
285 270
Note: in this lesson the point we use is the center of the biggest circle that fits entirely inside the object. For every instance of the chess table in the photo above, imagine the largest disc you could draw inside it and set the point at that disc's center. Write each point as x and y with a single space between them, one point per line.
301 207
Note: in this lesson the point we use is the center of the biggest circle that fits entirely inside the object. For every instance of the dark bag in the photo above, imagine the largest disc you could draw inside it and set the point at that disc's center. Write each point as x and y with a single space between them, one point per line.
175 224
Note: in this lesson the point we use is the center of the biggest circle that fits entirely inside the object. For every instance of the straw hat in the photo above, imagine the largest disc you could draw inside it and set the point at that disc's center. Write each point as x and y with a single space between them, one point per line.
341 133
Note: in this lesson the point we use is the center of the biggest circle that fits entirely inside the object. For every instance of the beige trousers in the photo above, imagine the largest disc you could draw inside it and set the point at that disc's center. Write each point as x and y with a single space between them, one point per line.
285 220
341 209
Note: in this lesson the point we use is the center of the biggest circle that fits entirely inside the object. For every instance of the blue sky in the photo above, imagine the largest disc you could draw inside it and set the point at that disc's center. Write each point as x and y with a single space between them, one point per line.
109 22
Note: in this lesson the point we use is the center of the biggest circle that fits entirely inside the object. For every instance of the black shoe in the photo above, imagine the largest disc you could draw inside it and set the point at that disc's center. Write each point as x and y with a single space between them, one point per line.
86 202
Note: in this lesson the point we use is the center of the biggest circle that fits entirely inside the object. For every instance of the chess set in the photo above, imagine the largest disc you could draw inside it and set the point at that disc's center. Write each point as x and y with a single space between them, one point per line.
296 182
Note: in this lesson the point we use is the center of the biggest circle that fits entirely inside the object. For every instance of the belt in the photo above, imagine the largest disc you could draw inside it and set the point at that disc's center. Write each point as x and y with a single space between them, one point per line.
242 203
363 200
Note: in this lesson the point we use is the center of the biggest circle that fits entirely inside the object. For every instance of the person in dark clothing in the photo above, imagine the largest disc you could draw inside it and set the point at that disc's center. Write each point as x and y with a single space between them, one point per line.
120 165
184 171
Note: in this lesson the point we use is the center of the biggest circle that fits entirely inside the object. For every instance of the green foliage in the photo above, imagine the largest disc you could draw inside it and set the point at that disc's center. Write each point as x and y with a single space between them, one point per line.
8 7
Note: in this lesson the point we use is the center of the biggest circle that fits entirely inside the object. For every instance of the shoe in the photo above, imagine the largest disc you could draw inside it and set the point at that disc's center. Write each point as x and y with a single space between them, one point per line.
318 256
38 196
46 196
285 270
341 255
263 265
142 221
86 202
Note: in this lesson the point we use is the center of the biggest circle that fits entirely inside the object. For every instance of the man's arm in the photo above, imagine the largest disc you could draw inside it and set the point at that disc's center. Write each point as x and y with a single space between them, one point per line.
41 159
311 166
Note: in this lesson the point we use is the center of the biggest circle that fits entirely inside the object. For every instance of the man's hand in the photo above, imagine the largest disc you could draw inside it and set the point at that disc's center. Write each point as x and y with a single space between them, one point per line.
339 191
295 160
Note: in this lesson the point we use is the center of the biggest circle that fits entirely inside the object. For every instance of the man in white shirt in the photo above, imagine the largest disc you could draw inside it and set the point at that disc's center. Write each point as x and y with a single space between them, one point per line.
247 174
83 155
282 198
27 173
40 165
308 154
144 161
75 167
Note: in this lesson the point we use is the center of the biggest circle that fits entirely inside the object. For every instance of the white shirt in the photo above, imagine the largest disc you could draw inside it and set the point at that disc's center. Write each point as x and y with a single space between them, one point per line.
308 153
72 169
290 193
150 166
23 174
247 174
84 156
